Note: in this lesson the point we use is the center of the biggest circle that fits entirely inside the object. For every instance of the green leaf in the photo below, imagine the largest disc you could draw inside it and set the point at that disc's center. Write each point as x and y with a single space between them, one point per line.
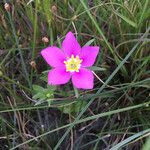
131 138
147 144
78 106
89 42
39 96
127 20
73 108
40 93
50 87
44 75
44 78
95 68
37 88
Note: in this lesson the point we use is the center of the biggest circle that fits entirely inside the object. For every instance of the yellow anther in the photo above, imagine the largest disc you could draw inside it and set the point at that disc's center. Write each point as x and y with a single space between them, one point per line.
73 64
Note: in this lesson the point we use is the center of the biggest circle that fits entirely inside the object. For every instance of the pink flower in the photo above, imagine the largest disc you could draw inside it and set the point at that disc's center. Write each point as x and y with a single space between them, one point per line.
70 62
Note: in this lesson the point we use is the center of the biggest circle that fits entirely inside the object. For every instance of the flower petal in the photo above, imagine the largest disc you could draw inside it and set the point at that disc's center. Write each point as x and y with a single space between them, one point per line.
53 56
58 76
88 55
84 79
70 45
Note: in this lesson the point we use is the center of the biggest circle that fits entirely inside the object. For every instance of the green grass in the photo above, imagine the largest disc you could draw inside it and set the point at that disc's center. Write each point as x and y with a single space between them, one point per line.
113 115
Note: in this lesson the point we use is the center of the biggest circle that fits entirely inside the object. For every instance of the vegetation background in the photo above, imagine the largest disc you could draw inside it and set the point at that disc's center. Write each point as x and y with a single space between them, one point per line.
114 115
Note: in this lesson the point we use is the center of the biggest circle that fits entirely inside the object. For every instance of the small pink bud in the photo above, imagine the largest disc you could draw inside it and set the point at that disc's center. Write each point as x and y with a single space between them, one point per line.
7 7
54 9
45 39
33 64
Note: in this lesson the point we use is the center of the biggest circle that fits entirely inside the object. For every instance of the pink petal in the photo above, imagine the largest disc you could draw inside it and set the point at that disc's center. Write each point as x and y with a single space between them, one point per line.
58 76
70 45
88 55
53 56
84 79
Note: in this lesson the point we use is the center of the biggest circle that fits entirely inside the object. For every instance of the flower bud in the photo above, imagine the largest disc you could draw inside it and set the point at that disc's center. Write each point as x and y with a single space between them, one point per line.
45 39
54 9
7 7
33 64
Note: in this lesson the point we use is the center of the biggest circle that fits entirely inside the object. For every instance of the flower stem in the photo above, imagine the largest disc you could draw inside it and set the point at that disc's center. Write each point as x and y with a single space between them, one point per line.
76 92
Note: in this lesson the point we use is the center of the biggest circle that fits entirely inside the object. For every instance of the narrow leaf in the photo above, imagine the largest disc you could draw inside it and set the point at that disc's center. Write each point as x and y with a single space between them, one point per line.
127 20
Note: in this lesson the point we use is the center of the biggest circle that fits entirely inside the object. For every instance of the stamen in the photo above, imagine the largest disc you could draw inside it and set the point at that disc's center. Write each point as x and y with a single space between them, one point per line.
73 64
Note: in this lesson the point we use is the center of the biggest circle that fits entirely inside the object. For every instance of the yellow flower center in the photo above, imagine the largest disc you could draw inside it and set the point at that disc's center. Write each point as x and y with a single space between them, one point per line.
73 64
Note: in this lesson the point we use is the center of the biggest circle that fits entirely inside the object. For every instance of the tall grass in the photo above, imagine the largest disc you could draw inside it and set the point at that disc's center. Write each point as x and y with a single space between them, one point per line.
114 115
